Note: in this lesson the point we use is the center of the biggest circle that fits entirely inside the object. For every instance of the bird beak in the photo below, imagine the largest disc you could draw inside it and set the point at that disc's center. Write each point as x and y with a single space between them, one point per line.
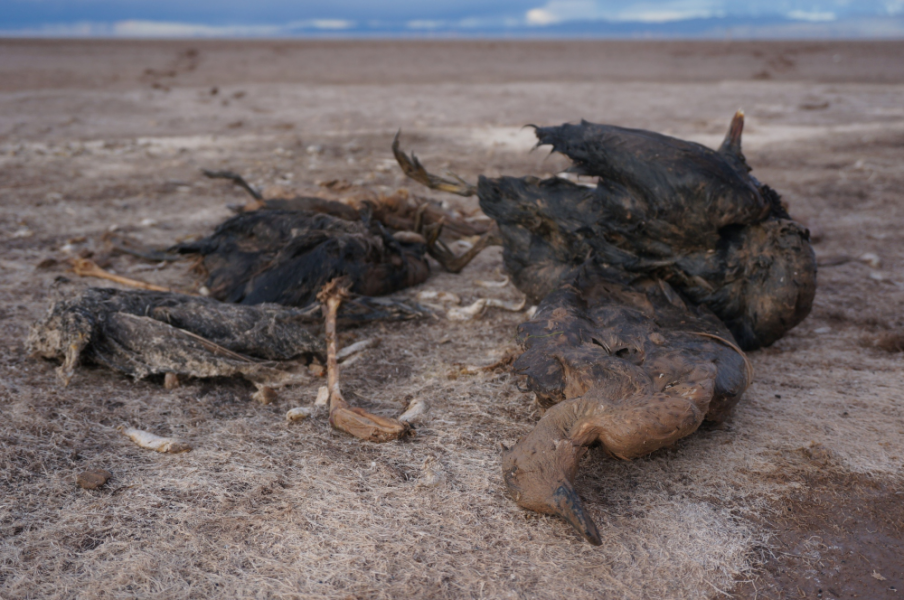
568 506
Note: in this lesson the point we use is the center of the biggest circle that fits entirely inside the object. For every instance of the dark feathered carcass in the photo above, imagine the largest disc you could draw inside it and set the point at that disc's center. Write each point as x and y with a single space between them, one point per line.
650 283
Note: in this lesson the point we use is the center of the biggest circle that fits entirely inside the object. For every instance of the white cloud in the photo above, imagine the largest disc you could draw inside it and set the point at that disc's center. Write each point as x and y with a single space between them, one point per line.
424 24
541 16
165 29
894 7
811 16
323 24
557 11
663 15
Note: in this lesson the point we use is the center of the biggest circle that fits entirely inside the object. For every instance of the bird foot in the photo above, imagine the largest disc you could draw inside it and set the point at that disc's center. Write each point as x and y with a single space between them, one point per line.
355 421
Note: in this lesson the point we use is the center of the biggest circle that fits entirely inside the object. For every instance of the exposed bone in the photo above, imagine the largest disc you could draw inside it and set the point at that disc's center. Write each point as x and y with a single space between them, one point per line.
468 313
87 268
170 381
413 168
234 178
434 298
265 395
299 413
323 396
150 441
871 259
354 421
433 474
410 237
492 284
351 360
448 259
357 347
417 408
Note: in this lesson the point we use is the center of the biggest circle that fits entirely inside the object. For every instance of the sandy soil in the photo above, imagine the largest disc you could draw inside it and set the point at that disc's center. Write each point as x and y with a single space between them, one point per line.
799 496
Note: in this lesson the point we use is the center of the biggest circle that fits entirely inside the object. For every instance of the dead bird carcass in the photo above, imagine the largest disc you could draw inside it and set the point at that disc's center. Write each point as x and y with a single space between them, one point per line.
142 333
287 256
650 284
260 264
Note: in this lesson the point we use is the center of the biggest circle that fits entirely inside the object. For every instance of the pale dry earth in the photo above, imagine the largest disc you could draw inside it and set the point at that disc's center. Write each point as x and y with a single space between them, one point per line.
799 496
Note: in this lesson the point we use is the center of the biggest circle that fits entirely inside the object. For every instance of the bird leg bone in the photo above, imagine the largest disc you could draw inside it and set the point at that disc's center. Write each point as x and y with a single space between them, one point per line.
88 268
354 421
413 168
437 249
236 179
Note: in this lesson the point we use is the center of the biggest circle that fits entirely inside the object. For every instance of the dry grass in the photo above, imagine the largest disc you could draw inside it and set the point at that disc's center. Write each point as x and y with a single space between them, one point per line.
266 508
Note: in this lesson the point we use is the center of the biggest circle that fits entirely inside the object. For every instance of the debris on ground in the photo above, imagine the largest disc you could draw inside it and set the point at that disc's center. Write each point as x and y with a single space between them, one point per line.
150 441
416 409
93 479
479 306
299 413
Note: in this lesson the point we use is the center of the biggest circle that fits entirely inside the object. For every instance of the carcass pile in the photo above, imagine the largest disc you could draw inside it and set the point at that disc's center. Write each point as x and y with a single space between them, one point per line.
650 285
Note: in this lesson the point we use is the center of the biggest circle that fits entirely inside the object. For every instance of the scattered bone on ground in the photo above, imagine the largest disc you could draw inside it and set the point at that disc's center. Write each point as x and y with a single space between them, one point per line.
266 506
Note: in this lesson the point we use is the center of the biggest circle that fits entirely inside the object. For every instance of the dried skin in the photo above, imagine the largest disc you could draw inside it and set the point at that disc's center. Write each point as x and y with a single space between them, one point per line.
141 333
625 363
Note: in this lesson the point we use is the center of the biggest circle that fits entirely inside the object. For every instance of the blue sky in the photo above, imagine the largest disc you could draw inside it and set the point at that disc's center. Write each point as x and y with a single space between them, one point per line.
604 18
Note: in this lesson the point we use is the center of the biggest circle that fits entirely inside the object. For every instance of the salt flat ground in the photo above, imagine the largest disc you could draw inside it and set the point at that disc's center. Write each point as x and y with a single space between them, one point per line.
799 496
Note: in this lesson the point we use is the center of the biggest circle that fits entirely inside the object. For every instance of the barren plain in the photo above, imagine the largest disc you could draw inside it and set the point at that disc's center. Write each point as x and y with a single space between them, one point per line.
799 496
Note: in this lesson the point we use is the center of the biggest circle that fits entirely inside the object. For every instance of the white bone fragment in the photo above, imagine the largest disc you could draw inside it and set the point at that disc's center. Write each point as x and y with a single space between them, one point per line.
149 441
299 413
435 297
530 312
462 245
492 284
433 474
467 313
416 408
171 381
264 394
409 237
510 305
871 259
357 347
323 396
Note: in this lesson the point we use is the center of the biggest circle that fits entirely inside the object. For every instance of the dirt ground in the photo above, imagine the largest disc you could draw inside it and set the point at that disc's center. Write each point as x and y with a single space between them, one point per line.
799 496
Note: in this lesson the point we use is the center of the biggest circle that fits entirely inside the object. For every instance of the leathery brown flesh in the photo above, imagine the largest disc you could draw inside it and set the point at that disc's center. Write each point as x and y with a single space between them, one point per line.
625 364
343 417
